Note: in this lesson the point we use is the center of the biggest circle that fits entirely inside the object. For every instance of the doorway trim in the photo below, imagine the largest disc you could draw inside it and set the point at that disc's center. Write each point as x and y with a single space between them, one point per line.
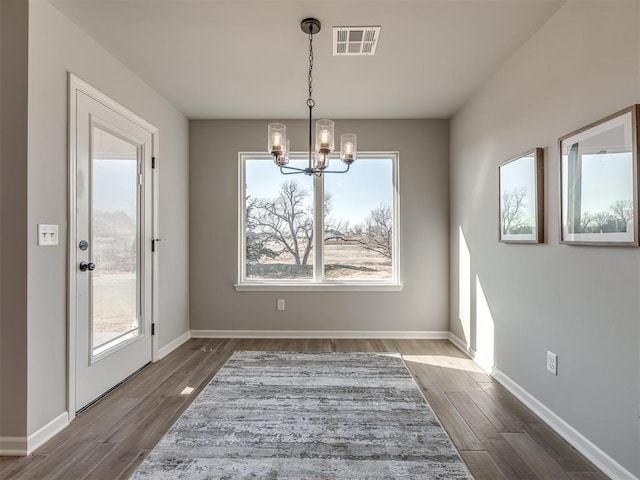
76 85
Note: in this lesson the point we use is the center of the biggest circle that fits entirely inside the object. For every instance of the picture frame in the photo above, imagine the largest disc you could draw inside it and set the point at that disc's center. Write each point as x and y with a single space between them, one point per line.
599 182
521 198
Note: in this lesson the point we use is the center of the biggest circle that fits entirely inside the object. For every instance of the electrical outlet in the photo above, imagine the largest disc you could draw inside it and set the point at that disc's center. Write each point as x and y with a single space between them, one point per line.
47 235
280 304
552 363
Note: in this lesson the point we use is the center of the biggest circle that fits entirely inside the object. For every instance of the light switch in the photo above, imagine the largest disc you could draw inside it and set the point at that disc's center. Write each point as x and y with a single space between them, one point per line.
47 235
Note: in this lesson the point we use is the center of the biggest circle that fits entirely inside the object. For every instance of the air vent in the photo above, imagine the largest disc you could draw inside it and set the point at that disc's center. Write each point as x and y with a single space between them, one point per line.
355 40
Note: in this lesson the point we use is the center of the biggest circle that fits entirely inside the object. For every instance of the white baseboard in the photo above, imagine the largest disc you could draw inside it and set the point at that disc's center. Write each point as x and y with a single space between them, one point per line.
43 434
13 446
342 334
459 343
22 446
486 365
173 344
599 458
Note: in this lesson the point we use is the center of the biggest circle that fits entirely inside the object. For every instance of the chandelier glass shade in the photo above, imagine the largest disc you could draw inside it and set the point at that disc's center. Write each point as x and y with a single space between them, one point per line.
278 144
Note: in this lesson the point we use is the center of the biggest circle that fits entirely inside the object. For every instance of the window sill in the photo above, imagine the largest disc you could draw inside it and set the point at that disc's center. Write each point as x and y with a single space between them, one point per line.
318 287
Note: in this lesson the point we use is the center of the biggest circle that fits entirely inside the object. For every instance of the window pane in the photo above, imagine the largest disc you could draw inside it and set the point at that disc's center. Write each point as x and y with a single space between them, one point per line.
114 203
358 222
279 222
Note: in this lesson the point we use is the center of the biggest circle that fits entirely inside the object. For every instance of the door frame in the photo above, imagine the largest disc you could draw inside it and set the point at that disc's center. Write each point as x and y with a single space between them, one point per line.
76 85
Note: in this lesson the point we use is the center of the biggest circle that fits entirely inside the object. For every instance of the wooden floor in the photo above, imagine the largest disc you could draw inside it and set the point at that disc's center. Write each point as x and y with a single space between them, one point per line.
497 436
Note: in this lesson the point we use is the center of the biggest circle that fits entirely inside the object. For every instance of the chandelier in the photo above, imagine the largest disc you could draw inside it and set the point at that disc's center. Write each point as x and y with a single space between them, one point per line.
278 143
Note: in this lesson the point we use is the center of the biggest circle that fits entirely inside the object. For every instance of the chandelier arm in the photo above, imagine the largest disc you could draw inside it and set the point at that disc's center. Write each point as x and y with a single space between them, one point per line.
309 171
337 171
295 170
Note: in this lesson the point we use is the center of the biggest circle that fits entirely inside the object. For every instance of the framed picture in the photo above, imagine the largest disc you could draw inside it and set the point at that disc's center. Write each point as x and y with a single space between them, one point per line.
522 198
599 182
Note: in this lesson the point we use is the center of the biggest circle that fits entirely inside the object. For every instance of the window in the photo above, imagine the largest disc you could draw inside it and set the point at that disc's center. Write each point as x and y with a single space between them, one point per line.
354 214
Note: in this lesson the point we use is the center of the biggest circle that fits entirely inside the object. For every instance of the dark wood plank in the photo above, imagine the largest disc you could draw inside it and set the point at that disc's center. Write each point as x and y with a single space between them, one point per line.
482 466
72 449
13 467
316 345
92 455
538 460
218 344
298 345
244 343
348 345
439 375
587 476
460 377
518 411
508 460
460 433
387 345
135 463
479 377
131 423
365 345
150 431
268 345
413 347
563 453
497 415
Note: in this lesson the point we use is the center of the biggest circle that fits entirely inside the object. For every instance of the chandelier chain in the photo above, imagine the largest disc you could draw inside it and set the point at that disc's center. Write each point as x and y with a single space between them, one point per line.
310 101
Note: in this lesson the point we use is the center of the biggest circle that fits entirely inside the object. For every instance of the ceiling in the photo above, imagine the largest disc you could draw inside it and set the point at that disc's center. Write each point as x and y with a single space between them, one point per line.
248 58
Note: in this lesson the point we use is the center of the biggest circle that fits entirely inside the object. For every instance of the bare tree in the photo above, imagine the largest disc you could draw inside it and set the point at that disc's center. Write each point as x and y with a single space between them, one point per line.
357 230
375 234
512 209
587 222
594 222
623 211
257 243
284 220
378 231
334 229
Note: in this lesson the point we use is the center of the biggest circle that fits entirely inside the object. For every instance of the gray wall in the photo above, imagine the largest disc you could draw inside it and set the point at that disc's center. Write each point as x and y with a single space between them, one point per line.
422 305
579 302
14 17
57 46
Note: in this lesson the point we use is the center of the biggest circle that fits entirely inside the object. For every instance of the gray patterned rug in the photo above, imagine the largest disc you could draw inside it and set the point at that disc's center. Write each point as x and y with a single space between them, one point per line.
276 415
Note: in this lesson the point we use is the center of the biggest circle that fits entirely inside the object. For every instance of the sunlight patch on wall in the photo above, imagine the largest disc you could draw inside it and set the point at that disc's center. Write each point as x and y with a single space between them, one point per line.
485 339
464 286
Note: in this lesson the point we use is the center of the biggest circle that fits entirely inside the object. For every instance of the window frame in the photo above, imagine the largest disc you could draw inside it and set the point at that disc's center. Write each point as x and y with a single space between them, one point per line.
318 282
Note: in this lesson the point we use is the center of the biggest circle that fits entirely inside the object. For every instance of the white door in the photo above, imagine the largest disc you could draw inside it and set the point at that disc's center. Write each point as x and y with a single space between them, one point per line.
113 232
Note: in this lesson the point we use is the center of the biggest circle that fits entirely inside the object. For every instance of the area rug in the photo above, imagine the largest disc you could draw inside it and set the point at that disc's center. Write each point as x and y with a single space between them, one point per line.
277 415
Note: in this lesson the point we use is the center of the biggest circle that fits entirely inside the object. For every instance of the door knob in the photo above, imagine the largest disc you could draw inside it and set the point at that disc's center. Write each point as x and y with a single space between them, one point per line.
84 266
